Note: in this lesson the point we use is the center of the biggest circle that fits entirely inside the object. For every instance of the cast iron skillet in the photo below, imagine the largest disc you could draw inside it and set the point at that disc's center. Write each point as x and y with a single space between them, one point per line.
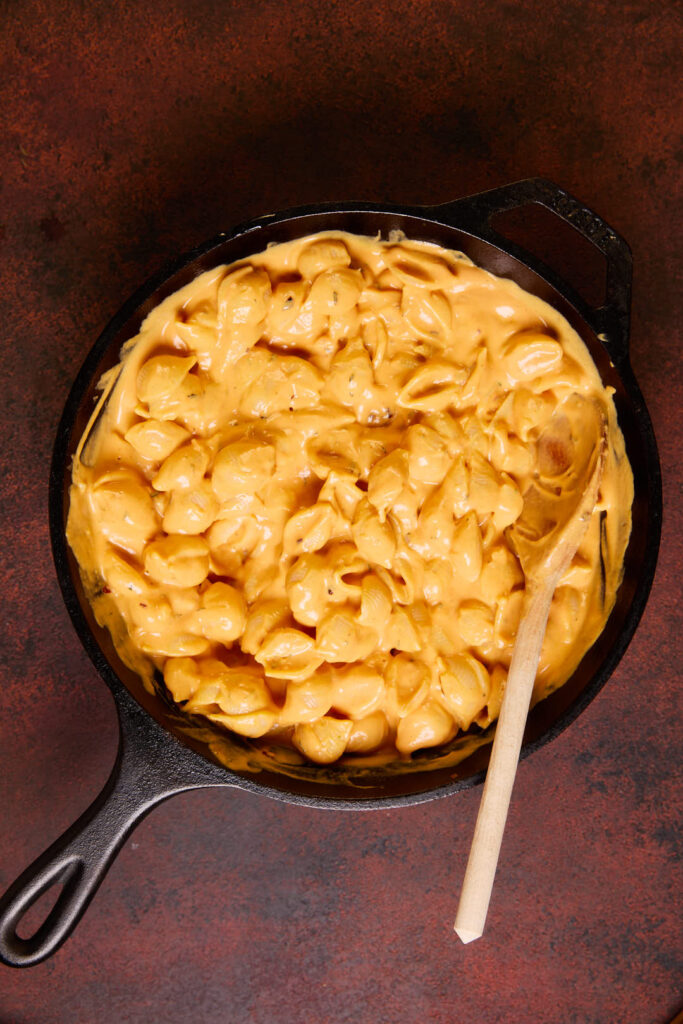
159 752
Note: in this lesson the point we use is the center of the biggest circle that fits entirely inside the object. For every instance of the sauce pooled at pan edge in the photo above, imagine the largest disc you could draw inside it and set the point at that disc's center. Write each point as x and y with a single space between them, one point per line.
293 503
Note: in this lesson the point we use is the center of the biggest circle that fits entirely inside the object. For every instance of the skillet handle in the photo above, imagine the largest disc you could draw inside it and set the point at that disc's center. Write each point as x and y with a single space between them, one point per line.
611 321
81 857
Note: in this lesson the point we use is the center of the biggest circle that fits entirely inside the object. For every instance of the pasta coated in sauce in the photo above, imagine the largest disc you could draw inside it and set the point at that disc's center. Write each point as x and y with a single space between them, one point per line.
294 501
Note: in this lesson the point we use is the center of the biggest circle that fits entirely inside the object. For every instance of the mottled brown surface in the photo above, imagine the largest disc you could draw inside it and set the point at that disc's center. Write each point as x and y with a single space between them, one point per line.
129 132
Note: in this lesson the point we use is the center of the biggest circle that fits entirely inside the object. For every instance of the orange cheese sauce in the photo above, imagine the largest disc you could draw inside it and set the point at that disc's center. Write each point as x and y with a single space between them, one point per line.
293 496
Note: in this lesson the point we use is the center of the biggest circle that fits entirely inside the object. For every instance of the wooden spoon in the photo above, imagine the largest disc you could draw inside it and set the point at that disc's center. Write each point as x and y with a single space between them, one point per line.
557 509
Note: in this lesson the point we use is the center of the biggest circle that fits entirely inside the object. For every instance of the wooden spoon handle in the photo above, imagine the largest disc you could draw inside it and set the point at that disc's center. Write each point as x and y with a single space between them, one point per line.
488 833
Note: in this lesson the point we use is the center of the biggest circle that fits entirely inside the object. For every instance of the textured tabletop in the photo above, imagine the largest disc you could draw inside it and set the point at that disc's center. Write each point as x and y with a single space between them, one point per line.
130 132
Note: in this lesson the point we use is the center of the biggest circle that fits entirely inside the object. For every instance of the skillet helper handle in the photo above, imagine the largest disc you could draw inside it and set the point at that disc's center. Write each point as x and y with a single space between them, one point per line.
81 857
610 321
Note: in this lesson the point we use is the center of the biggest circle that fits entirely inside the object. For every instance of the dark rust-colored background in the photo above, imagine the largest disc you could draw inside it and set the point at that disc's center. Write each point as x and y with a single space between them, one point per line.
129 132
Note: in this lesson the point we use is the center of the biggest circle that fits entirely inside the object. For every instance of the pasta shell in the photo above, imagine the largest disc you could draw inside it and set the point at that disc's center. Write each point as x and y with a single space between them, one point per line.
255 724
427 312
170 643
177 561
309 588
287 382
484 486
407 685
322 255
491 711
339 638
237 690
420 268
335 452
375 603
428 726
433 537
429 458
471 393
154 440
124 511
243 297
508 616
342 493
376 341
530 412
404 581
510 504
368 734
434 386
375 540
151 615
262 618
223 615
448 429
566 613
350 378
466 548
160 376
306 701
531 354
122 578
475 622
323 741
182 678
357 691
387 479
242 468
288 654
200 336
336 290
309 529
191 511
500 573
184 468
183 404
401 633
285 307
465 686
232 540
508 454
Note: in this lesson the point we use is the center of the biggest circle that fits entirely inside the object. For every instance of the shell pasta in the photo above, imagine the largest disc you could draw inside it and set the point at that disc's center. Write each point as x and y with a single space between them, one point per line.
293 497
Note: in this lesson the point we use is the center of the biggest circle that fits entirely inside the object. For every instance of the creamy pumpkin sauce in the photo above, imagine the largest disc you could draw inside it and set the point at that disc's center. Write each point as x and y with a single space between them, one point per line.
293 496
